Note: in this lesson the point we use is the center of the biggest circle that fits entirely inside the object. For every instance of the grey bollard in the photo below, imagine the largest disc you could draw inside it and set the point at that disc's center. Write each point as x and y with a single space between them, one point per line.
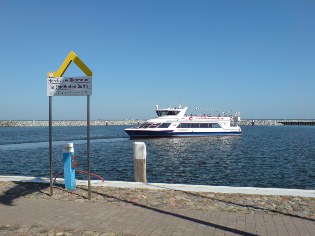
140 155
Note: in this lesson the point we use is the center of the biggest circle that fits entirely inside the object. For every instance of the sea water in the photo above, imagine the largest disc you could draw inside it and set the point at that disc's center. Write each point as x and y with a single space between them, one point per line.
263 156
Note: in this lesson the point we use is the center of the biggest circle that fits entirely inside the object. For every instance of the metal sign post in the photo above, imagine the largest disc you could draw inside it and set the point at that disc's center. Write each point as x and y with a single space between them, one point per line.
70 86
50 145
88 146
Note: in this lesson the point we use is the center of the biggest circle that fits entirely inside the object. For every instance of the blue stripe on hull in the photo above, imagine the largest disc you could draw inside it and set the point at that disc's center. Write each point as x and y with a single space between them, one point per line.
164 134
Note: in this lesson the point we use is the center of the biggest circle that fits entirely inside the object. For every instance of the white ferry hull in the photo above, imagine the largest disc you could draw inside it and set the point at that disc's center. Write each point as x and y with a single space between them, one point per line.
138 133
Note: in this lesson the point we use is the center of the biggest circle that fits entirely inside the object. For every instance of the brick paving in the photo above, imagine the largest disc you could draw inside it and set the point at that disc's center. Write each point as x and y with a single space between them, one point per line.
135 219
27 209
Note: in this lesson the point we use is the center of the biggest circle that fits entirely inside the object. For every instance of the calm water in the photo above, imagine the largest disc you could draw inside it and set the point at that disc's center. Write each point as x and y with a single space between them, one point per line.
264 156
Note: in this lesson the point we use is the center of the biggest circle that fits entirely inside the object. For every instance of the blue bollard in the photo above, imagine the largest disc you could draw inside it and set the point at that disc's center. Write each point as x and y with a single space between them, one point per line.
68 168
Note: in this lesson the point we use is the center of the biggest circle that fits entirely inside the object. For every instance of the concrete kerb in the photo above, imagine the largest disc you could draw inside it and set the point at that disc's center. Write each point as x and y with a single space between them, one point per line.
179 187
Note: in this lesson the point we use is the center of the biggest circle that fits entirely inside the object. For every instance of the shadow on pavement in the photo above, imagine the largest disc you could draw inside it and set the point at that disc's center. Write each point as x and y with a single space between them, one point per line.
241 205
21 189
198 221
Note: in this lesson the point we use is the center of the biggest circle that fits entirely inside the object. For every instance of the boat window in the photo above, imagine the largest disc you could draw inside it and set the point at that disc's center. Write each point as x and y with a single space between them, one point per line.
184 125
215 125
161 113
167 113
141 126
194 125
172 113
164 125
154 125
145 125
204 125
198 125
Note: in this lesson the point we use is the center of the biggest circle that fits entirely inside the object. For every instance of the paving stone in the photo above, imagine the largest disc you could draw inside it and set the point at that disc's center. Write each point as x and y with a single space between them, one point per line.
27 208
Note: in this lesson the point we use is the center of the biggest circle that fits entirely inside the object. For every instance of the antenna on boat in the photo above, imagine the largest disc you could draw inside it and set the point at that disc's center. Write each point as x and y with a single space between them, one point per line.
180 106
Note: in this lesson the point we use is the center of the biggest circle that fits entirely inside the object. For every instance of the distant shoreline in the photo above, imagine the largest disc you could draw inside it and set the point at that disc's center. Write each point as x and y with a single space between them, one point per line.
38 123
30 123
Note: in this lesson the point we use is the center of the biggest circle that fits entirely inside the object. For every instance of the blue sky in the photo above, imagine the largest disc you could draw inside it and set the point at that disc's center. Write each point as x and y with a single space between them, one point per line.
257 57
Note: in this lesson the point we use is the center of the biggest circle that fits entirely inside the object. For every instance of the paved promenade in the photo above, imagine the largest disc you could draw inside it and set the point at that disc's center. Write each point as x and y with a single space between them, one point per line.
133 219
26 209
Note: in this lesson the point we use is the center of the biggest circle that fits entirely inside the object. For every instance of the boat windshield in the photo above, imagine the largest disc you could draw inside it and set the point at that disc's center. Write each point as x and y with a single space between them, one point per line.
167 113
149 125
164 125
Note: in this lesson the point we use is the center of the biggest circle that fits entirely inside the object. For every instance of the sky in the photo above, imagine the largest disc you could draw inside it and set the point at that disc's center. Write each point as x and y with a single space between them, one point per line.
255 57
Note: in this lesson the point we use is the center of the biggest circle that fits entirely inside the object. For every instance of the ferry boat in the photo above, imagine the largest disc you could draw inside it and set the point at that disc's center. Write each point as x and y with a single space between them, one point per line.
173 122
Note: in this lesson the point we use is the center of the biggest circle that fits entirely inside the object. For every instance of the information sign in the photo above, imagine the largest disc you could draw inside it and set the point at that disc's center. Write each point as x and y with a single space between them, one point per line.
69 86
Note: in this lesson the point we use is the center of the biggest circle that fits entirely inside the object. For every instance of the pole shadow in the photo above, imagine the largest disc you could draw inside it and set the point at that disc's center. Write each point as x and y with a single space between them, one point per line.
198 221
239 204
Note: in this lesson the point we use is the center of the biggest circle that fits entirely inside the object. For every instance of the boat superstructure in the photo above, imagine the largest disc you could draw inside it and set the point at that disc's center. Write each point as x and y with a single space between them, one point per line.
173 122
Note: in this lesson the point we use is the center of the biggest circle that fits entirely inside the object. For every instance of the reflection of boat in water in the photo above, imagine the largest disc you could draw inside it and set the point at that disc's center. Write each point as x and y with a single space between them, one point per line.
173 122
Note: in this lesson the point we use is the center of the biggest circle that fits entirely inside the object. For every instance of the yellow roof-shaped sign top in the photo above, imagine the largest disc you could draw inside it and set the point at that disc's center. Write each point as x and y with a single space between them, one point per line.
72 57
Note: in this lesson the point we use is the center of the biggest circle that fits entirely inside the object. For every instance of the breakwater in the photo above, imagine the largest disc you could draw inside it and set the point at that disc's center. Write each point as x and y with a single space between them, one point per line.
301 123
260 122
278 122
29 123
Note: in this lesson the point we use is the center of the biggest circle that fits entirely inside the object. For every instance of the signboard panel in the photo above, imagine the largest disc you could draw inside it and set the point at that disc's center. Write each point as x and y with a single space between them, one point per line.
69 86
